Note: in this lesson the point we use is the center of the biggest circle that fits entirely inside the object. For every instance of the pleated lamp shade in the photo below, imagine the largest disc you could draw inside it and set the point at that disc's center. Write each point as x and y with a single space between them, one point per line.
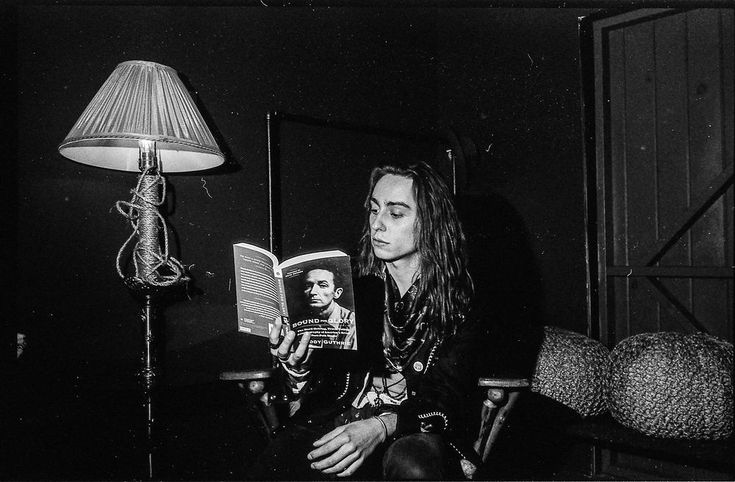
142 101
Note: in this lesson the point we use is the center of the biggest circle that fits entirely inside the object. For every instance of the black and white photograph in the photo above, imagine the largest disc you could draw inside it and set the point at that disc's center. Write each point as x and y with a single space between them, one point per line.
531 202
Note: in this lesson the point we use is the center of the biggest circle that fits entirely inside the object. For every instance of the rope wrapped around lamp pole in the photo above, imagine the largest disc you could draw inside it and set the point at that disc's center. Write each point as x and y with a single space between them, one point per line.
154 268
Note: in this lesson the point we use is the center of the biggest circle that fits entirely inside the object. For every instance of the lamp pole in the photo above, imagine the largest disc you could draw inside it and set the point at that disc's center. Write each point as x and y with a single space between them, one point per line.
148 378
148 284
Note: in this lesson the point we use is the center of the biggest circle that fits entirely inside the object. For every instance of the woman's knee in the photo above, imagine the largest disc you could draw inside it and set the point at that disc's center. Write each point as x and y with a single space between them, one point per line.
420 456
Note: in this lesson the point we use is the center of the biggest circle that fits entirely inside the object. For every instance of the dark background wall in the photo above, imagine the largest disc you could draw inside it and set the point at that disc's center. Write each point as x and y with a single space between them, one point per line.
505 80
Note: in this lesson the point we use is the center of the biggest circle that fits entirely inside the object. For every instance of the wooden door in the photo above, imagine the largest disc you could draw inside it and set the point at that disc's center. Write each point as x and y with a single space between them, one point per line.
662 202
659 136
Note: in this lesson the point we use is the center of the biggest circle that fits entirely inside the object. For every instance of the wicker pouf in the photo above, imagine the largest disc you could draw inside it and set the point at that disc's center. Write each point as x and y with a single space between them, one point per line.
672 385
570 369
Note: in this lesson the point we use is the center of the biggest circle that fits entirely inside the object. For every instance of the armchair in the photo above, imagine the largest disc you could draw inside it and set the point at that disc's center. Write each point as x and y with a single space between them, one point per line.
569 368
501 396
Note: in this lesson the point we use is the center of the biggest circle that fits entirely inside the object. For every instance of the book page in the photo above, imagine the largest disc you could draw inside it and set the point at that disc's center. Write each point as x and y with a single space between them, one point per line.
258 296
320 299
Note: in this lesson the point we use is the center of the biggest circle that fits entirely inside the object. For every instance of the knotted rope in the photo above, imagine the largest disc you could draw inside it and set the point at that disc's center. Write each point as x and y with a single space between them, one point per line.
142 213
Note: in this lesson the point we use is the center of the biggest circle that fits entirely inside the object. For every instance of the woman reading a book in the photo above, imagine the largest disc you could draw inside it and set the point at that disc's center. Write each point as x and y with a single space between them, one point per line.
399 415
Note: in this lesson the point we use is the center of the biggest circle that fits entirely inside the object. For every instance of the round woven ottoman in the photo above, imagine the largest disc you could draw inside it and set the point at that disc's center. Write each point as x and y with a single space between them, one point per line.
570 369
672 385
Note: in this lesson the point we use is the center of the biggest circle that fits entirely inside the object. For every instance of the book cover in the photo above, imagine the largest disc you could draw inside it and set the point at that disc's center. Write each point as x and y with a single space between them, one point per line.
313 292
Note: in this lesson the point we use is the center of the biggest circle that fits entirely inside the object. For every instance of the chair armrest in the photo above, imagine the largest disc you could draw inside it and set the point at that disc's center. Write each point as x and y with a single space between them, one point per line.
502 394
256 378
243 375
258 400
504 382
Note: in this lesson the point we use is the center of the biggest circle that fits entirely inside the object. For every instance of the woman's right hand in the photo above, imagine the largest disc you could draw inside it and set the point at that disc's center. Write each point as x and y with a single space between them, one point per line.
282 348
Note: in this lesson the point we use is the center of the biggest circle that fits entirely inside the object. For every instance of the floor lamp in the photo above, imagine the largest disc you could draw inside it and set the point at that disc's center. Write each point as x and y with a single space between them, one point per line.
144 120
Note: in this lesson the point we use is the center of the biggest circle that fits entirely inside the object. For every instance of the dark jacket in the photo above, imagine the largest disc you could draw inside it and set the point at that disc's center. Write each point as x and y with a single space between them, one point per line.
441 376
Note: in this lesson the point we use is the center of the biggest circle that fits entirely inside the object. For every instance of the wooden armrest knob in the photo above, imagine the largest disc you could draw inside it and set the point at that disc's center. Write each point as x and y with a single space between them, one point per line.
256 386
497 396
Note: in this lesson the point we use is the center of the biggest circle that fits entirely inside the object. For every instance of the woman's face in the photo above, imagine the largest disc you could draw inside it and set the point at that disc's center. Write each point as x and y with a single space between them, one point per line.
393 216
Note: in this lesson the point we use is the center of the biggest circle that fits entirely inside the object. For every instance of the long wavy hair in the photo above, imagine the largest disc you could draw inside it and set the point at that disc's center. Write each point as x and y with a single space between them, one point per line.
444 285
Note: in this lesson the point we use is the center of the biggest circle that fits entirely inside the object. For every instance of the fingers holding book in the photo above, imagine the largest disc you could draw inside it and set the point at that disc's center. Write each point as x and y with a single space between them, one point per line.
301 355
295 359
282 347
283 352
276 338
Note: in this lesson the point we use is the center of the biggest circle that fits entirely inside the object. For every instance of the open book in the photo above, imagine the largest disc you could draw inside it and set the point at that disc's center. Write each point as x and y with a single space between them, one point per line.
313 292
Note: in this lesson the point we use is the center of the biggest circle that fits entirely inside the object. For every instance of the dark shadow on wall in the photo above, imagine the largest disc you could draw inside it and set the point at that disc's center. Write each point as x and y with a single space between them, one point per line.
8 179
508 288
230 165
509 298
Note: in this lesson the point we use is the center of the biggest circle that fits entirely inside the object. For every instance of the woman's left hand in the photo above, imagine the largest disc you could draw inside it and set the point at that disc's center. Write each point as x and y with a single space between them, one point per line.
343 450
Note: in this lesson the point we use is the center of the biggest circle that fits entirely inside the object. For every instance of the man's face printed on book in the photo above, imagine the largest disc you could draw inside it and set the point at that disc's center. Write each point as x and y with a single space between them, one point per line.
319 289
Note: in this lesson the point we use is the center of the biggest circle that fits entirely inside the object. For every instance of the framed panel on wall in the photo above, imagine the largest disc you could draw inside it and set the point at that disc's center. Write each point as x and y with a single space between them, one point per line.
319 173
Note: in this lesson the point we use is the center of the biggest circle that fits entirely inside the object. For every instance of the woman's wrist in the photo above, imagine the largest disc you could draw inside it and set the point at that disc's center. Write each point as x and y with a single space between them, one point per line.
295 380
383 426
389 421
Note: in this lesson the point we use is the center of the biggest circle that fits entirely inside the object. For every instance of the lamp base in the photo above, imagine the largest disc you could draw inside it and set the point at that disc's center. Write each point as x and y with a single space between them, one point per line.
148 295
